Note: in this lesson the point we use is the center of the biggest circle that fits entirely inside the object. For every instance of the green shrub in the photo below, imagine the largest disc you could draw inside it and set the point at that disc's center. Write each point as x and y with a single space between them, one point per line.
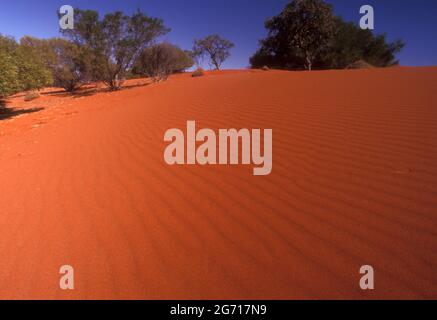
70 65
33 73
21 68
74 65
9 83
161 60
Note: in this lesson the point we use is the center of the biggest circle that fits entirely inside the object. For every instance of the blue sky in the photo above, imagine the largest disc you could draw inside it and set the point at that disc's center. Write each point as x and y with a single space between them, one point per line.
241 21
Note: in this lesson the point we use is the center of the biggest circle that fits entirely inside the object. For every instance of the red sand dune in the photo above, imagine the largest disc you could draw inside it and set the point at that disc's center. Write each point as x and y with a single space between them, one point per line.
354 182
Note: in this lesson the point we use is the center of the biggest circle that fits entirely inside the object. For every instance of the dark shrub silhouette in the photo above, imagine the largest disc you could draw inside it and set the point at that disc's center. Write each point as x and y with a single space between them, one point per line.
307 35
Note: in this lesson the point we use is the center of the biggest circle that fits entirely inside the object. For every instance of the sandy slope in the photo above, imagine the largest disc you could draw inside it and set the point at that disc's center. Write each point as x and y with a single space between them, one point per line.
354 182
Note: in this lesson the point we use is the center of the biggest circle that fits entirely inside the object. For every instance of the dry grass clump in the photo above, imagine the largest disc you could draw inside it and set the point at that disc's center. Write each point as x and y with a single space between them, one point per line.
198 73
31 96
360 64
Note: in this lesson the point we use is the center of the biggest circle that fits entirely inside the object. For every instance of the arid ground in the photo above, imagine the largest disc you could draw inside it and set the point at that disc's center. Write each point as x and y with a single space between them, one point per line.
83 183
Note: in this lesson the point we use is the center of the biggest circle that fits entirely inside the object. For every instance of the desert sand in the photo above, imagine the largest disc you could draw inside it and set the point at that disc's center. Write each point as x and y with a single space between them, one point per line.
83 183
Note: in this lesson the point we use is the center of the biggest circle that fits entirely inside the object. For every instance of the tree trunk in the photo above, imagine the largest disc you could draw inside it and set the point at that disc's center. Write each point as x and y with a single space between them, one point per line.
309 63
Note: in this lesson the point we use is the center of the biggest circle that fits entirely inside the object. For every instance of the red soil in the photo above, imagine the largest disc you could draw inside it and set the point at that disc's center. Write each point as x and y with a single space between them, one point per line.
354 182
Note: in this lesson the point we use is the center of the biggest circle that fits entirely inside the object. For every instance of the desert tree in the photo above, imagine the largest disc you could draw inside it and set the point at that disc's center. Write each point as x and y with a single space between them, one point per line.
70 64
161 60
304 27
116 41
306 34
73 64
351 44
216 48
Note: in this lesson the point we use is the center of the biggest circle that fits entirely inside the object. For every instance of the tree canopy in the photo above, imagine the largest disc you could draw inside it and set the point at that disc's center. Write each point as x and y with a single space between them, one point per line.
161 60
116 41
32 71
215 47
22 68
307 35
9 71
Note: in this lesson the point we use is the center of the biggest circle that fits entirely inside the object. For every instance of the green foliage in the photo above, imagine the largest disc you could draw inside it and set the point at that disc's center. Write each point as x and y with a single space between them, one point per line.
74 64
97 49
32 71
9 83
306 34
304 25
22 68
183 60
8 44
161 60
351 44
115 41
70 65
43 48
215 47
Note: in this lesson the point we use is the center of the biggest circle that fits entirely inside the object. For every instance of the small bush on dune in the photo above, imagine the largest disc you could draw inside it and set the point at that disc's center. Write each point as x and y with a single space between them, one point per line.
360 64
161 60
198 73
31 96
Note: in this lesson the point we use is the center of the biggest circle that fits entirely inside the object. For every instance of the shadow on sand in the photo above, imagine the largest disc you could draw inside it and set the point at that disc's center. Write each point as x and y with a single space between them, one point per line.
89 91
7 113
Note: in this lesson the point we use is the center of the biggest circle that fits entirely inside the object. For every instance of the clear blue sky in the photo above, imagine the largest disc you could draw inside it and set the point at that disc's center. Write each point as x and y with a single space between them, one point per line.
241 21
